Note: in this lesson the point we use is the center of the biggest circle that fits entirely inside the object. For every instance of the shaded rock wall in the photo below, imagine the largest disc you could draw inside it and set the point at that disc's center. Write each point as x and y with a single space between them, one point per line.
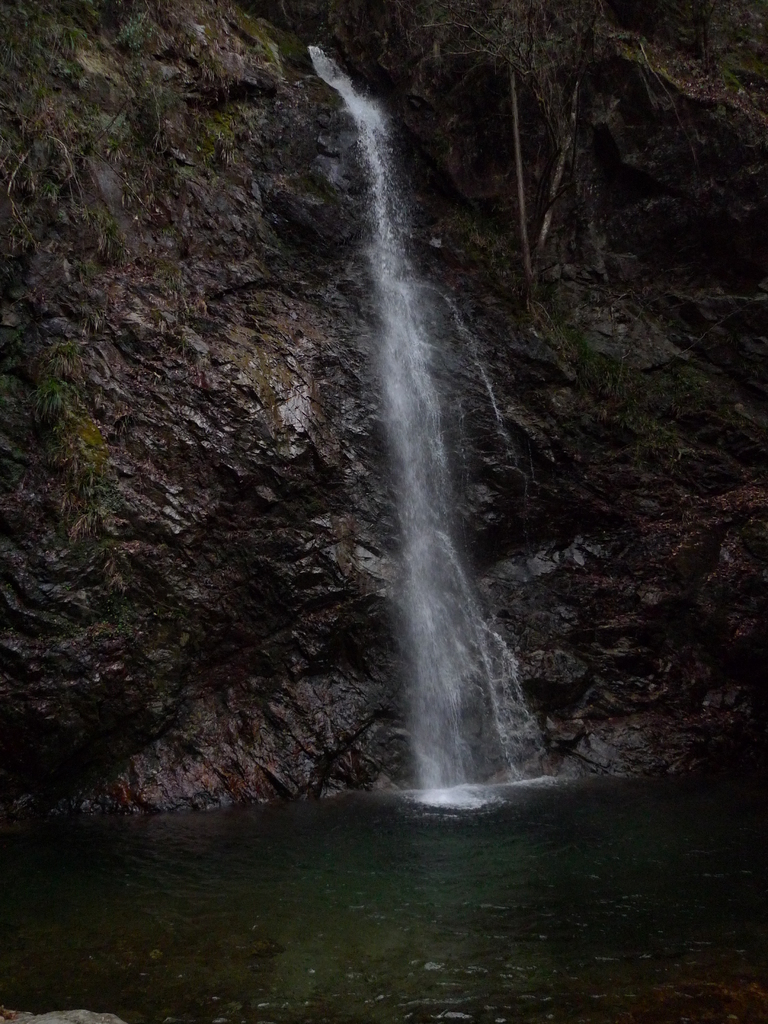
195 544
633 398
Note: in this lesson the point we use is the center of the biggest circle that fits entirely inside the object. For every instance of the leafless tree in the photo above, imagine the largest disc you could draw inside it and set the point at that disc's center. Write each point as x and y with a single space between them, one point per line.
543 46
702 14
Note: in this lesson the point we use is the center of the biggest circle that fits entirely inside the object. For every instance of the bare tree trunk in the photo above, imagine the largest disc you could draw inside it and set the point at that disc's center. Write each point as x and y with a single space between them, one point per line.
703 15
557 177
524 243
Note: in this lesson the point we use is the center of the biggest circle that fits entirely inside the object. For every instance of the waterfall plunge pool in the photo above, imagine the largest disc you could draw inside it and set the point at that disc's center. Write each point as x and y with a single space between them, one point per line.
591 901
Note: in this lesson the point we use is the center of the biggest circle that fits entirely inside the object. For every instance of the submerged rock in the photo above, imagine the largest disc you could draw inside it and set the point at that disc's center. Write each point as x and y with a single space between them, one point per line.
65 1017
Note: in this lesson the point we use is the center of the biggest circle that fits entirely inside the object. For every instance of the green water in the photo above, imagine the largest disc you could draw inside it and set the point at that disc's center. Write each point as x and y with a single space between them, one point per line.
591 901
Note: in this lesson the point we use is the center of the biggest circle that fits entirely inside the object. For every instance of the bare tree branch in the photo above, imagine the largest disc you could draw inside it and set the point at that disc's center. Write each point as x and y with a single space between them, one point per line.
545 47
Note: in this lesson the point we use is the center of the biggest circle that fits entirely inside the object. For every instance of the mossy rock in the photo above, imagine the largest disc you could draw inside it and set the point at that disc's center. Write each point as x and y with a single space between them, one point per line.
259 33
755 538
263 949
291 48
92 442
318 186
11 473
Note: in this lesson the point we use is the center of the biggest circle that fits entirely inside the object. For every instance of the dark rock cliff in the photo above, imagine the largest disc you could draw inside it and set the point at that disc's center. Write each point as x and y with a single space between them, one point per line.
631 575
193 571
197 536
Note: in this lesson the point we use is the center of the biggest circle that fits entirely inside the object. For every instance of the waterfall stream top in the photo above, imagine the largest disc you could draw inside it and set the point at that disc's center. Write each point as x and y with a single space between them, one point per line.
364 110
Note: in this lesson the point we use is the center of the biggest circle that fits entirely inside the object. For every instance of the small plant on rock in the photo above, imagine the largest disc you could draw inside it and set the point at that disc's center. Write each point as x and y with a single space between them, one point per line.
225 149
52 400
135 33
64 360
110 241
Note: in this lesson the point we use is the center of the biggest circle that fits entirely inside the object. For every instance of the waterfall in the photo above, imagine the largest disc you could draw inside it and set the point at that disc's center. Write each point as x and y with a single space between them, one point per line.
467 716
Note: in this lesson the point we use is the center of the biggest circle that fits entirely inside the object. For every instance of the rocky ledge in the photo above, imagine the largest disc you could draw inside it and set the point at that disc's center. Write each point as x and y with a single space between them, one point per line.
59 1017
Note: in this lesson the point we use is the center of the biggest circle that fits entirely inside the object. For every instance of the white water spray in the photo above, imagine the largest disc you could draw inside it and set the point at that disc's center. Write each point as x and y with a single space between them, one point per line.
468 718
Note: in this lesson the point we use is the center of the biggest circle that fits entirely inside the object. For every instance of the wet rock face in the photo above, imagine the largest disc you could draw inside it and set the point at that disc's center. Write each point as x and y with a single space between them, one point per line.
631 587
204 618
616 489
650 675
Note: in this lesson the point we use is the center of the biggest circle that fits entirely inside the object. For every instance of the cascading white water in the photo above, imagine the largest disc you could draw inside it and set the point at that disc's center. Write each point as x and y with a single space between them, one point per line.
468 718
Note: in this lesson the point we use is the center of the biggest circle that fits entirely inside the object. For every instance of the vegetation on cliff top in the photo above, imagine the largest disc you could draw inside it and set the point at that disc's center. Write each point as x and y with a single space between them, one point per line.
108 109
709 49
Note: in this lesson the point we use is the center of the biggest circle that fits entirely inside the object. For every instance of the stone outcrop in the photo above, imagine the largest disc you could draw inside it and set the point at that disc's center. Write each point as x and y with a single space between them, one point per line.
633 403
62 1017
194 559
198 542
